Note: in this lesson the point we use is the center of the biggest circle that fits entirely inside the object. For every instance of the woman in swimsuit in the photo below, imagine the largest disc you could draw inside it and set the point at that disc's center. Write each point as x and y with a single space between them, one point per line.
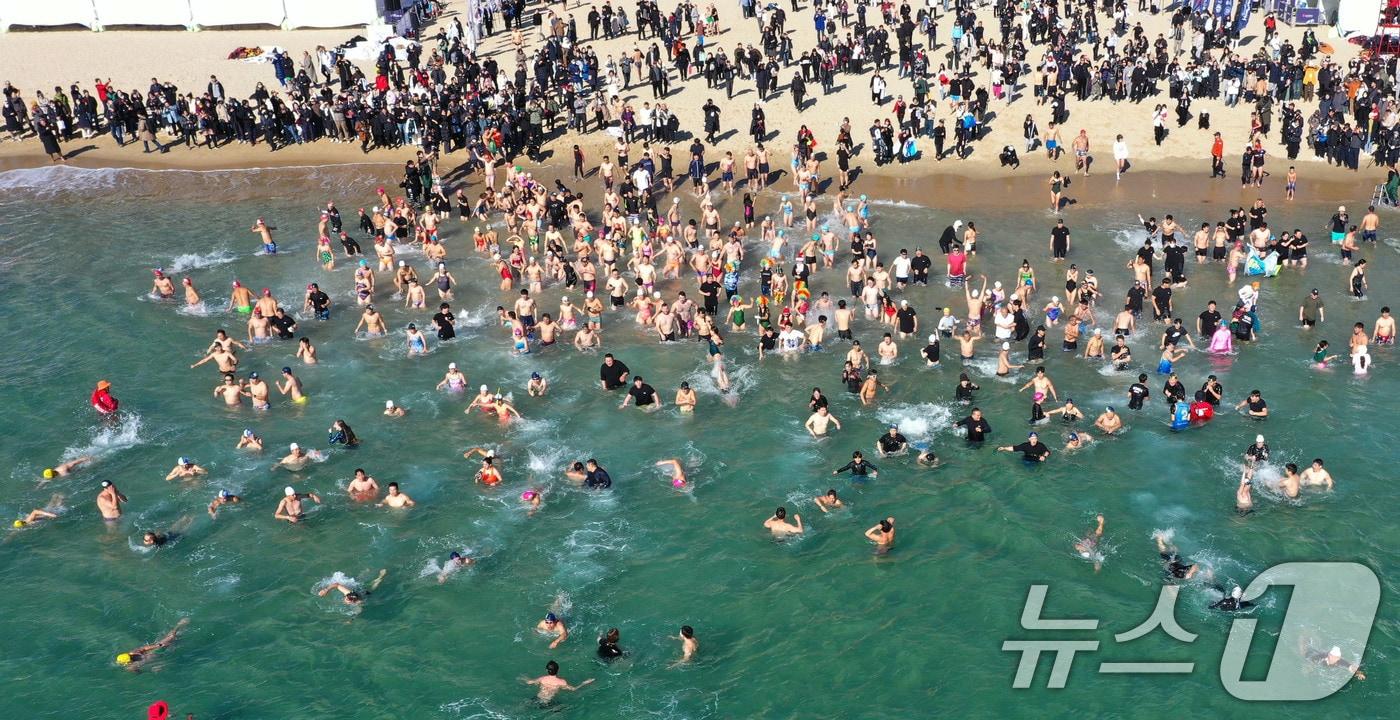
444 281
324 254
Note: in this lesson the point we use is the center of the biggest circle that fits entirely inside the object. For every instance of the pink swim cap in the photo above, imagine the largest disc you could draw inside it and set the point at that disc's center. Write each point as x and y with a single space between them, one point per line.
529 495
677 482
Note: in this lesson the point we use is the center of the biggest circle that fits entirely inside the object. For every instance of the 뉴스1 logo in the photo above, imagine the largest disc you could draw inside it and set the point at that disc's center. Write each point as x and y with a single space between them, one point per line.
1333 603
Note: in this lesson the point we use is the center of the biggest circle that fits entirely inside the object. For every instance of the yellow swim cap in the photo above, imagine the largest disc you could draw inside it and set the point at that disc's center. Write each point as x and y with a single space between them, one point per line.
124 659
49 473
19 523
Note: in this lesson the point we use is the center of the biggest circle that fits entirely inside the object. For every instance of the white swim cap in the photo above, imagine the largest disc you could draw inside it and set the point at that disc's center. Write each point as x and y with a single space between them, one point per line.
975 292
402 263
1236 593
294 447
904 303
1335 651
1098 331
1054 298
452 366
288 491
1258 438
997 284
588 294
1006 346
564 299
388 404
483 388
933 338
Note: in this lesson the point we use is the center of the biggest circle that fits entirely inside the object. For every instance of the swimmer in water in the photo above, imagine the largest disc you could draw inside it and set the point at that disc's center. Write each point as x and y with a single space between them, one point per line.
455 562
152 538
1109 420
550 683
297 458
1173 566
882 534
454 380
1315 476
109 502
552 625
362 487
1244 498
818 421
689 645
249 440
223 498
353 596
828 502
537 386
133 659
40 514
185 468
289 507
1232 602
675 470
1088 546
392 410
1078 439
1333 659
779 525
64 469
395 499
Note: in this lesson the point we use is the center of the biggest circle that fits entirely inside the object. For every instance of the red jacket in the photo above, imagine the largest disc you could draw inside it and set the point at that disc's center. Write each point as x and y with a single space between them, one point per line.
103 401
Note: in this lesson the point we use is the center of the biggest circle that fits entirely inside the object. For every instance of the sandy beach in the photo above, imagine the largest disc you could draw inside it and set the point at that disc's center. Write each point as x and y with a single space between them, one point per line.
42 59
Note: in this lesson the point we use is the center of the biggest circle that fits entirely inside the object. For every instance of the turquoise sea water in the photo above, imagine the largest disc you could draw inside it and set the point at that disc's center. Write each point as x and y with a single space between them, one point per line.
816 627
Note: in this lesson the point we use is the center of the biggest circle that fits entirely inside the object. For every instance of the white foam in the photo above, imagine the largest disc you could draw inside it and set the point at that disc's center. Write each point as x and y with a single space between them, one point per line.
194 261
916 421
108 440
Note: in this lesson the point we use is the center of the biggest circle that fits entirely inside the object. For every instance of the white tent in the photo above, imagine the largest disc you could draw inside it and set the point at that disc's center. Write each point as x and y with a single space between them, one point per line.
48 13
213 13
1358 17
330 13
144 12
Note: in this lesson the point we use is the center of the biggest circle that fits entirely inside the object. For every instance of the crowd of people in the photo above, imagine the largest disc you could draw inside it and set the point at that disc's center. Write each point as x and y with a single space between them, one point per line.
648 256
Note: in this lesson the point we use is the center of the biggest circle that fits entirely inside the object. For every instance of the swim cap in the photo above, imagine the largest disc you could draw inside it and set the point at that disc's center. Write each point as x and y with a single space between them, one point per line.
124 659
1073 435
452 366
1098 331
252 376
1258 438
894 426
103 384
294 446
1109 408
1054 298
1032 435
454 556
550 617
247 432
184 461
1007 346
411 326
528 495
534 376
1335 651
223 494
402 263
237 284
364 263
266 291
933 339
388 404
49 473
106 483
289 370
588 293
1236 593
288 491
484 388
1039 396
19 523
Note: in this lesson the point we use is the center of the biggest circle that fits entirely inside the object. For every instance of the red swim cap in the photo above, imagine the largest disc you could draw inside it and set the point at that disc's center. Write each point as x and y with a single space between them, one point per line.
158 711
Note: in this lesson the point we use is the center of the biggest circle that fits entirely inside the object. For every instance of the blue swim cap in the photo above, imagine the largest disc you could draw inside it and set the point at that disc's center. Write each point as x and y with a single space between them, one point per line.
247 432
223 494
534 376
550 617
184 460
454 556
1031 435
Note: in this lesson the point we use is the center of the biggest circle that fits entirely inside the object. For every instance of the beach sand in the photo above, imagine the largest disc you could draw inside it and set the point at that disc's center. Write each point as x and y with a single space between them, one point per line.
36 60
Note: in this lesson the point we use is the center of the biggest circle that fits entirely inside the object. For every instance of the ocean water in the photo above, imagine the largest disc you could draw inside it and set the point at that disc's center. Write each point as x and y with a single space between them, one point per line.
815 627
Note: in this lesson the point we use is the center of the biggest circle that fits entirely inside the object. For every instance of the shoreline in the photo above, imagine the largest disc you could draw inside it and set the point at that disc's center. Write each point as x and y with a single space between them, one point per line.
947 184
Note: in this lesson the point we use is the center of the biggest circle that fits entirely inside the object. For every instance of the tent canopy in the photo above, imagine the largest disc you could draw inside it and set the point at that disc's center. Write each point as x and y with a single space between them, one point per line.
95 14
